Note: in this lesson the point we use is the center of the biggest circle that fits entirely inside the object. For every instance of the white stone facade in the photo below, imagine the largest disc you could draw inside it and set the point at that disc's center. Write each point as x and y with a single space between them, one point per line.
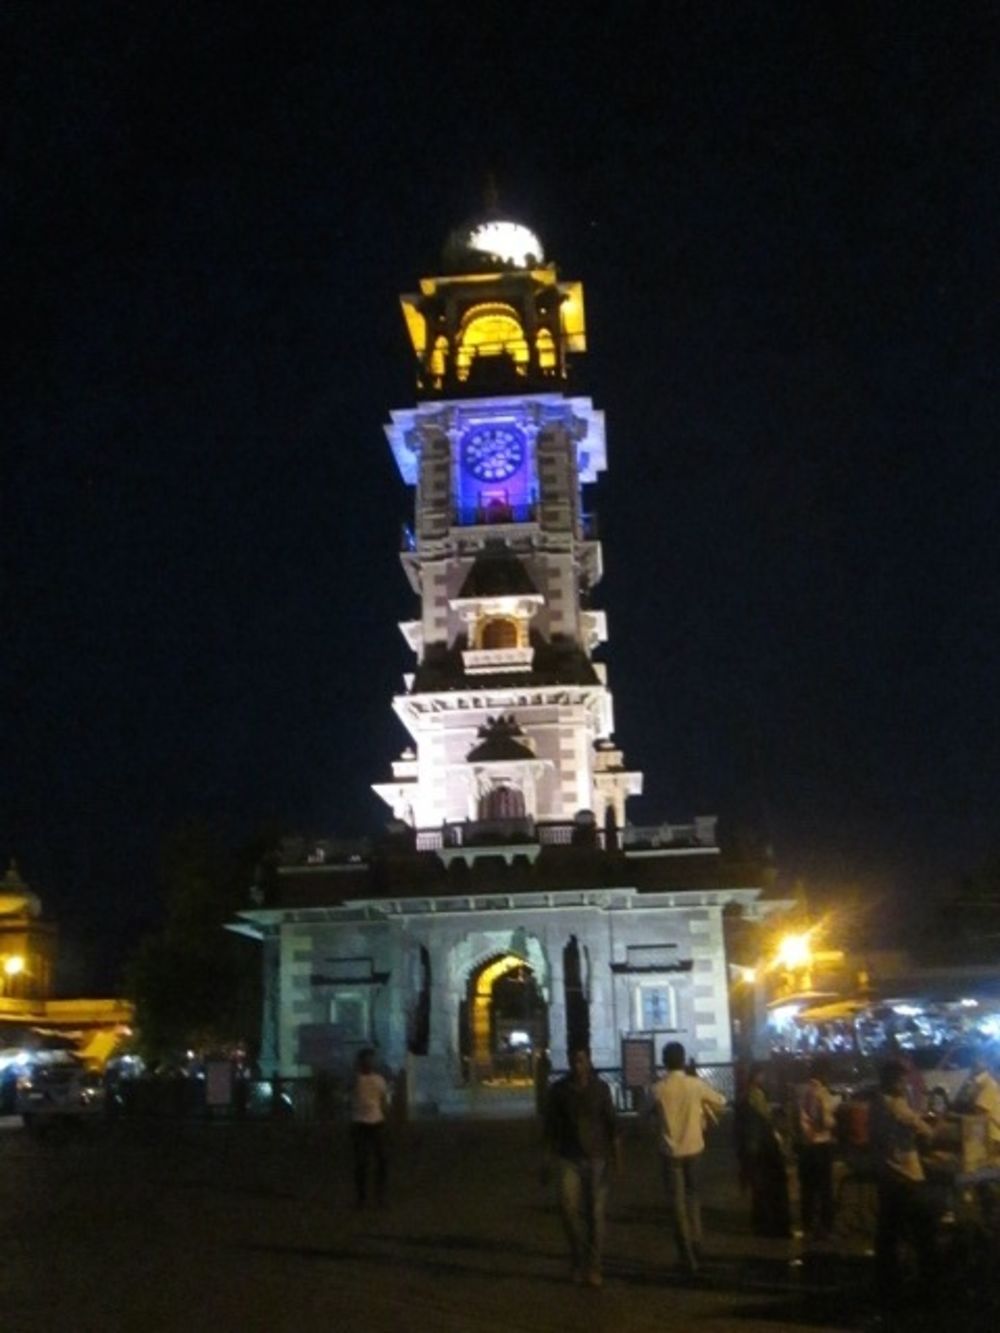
551 540
653 965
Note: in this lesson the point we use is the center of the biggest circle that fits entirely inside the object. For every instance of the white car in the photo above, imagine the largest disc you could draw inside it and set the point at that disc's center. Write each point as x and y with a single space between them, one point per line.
945 1071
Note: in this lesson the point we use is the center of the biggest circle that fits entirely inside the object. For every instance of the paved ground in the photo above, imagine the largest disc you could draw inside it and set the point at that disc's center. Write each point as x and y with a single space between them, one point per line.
164 1226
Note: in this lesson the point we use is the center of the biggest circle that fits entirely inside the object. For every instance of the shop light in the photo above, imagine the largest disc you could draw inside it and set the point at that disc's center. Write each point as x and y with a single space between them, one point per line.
784 1013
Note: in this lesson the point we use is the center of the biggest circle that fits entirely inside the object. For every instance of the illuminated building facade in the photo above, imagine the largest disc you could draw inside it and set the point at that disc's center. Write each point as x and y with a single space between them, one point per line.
28 956
511 906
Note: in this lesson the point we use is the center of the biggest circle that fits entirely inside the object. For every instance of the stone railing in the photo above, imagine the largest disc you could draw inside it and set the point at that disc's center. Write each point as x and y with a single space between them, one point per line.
493 660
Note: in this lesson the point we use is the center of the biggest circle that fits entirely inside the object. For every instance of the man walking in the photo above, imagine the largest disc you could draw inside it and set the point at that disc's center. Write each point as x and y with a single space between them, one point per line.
817 1122
581 1131
369 1102
681 1103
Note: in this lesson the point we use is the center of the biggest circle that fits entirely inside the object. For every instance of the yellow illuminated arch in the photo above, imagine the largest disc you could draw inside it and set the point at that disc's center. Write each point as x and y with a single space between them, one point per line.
490 330
482 999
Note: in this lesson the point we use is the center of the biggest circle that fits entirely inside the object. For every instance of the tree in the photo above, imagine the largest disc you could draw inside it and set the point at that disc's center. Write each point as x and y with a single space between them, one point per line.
969 923
195 984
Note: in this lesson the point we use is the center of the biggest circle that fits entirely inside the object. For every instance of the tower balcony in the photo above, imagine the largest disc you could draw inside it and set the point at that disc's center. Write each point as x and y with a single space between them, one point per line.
493 661
497 514
490 515
523 835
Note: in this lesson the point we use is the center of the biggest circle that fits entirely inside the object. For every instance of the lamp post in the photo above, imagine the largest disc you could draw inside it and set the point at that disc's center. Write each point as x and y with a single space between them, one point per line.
795 955
13 966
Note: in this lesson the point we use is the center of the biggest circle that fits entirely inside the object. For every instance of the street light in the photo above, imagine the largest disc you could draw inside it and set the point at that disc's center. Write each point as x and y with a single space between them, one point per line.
794 952
13 966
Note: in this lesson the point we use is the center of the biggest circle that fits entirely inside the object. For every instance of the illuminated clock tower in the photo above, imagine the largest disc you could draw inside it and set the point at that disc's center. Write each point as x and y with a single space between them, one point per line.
510 716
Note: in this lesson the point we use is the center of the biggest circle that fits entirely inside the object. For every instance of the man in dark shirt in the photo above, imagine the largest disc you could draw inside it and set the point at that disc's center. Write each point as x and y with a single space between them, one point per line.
582 1134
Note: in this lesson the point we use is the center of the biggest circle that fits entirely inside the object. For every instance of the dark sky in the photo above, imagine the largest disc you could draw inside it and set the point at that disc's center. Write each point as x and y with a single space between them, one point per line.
785 219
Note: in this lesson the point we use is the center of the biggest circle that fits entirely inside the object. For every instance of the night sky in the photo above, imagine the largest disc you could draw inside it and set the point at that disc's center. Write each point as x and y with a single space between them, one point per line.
784 216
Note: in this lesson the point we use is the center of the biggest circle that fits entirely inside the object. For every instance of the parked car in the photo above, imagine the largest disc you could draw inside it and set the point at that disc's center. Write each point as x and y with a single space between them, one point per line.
945 1071
57 1088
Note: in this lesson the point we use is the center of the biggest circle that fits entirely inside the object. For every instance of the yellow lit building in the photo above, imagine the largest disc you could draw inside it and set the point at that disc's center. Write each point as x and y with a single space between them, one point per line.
28 952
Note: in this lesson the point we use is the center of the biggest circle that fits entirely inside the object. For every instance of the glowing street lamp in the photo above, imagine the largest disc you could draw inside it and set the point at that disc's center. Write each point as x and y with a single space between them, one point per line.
13 966
794 952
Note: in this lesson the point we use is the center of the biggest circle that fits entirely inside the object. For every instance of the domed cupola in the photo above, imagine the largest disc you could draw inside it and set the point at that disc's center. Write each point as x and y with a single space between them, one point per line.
16 898
491 243
497 320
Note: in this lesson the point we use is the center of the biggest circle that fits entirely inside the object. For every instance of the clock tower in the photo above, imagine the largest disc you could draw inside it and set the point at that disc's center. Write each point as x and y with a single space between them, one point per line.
509 713
510 909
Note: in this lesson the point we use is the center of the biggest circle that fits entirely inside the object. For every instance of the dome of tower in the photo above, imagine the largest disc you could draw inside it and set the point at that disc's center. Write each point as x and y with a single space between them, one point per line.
16 898
491 242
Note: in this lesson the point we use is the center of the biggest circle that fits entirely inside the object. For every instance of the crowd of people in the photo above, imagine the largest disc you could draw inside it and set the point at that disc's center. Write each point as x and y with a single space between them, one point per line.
582 1138
896 1130
582 1145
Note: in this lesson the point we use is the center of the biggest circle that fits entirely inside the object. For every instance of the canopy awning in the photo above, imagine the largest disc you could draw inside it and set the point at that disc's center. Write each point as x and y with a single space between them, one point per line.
838 1011
802 997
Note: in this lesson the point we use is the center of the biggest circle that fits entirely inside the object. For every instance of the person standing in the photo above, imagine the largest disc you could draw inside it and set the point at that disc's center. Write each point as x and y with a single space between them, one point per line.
681 1102
581 1132
904 1207
762 1159
369 1103
817 1115
983 1094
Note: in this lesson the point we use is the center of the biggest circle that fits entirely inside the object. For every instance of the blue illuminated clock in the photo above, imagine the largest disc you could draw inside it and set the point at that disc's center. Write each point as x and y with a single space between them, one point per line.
494 452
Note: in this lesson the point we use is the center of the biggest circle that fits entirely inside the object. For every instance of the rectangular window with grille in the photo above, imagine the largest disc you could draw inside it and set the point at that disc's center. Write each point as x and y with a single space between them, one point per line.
655 1007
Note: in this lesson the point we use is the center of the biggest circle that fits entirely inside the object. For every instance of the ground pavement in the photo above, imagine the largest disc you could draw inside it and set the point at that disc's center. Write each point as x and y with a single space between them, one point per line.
167 1226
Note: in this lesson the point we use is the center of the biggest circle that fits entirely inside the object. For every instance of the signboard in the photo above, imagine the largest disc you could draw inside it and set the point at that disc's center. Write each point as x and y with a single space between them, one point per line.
638 1062
218 1083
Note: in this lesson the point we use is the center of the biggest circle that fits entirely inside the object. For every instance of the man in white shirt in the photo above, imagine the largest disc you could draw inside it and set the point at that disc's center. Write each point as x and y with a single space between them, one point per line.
681 1103
369 1102
817 1115
984 1095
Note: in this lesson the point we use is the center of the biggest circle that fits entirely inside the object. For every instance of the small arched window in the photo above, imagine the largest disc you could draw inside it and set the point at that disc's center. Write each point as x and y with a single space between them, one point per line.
491 331
502 802
499 633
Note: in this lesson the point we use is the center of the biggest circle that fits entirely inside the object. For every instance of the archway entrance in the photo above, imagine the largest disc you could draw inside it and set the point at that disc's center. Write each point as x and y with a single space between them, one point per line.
506 1021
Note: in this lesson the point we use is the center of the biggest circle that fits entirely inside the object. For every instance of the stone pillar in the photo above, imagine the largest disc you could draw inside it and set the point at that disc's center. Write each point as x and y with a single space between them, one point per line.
710 990
432 1076
594 939
270 1018
554 946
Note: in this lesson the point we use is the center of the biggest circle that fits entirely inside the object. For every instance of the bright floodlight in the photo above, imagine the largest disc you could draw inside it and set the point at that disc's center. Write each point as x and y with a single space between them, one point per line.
507 241
794 951
13 965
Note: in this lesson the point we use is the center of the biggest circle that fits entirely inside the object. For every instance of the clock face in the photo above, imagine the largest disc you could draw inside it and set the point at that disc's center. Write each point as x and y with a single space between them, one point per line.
492 453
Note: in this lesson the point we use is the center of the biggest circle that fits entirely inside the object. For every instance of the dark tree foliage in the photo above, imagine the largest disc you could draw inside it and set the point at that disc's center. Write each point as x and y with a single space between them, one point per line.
970 922
196 985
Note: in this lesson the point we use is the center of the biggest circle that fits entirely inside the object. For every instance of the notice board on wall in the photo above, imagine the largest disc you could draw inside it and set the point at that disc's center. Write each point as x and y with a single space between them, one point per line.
638 1062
